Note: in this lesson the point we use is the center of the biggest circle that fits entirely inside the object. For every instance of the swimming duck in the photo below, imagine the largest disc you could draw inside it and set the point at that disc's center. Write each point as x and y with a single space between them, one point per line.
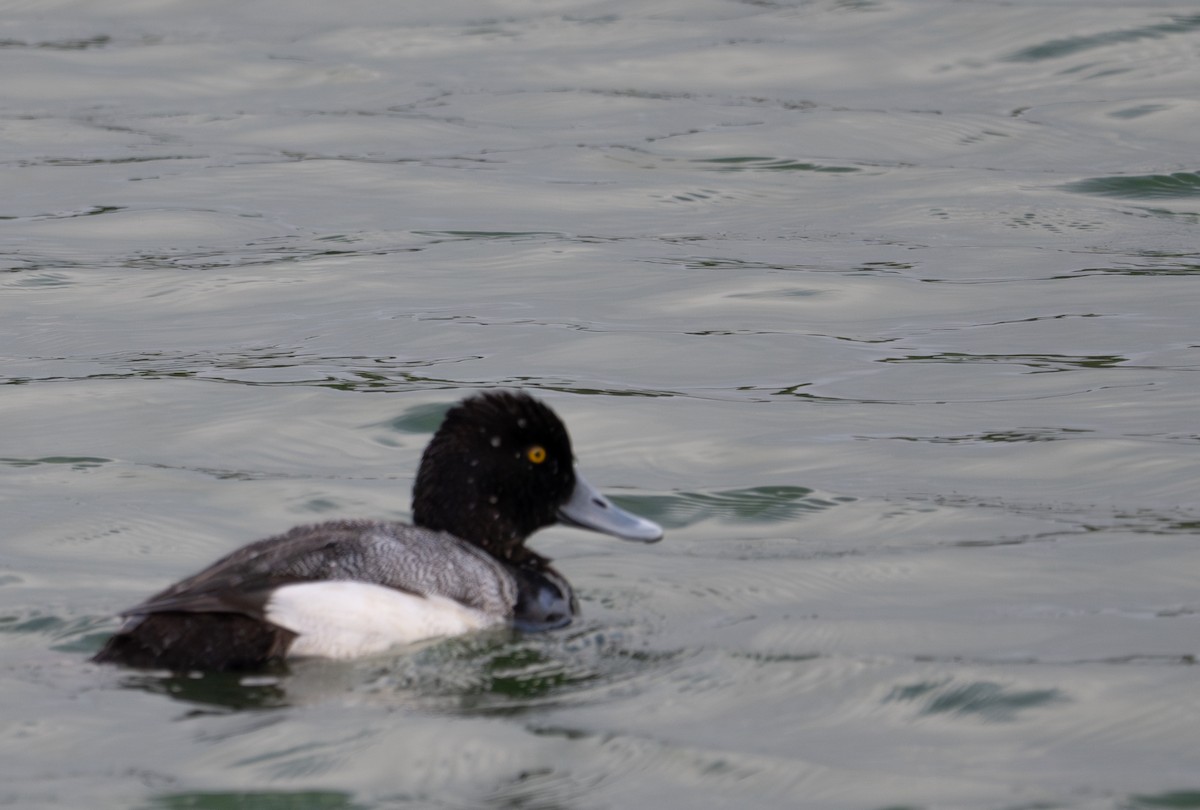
499 468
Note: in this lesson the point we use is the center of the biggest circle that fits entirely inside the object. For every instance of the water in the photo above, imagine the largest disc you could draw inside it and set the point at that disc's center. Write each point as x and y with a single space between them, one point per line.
885 309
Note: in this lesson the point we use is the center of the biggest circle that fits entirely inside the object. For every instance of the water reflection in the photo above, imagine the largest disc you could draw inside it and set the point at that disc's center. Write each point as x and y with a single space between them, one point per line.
1174 799
214 690
256 800
990 701
495 673
765 504
1069 46
98 41
777 249
1180 185
1041 362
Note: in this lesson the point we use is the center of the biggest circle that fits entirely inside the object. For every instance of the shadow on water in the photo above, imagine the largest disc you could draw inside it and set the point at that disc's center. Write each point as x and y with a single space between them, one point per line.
1180 185
1069 46
1014 436
766 504
1182 270
423 419
98 41
987 700
256 800
535 671
76 462
261 366
770 164
81 634
493 673
1179 799
217 690
1040 363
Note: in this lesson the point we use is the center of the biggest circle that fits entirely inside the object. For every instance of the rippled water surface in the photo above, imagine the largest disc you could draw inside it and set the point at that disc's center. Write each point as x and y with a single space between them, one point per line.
887 310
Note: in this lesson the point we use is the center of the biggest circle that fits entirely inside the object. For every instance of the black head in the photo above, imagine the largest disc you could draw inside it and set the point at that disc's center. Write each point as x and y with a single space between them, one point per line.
496 471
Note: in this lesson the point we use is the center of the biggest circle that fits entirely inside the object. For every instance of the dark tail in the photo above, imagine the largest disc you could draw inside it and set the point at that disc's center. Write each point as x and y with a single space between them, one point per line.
180 642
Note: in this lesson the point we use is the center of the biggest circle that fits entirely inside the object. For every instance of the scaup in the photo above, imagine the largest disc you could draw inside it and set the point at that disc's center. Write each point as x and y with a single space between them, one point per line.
499 468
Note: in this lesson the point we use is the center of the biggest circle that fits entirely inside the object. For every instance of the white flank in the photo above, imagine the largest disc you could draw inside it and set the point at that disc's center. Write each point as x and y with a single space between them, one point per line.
349 619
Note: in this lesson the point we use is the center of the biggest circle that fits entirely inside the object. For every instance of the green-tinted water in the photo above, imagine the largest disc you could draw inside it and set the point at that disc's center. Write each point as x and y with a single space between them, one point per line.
887 310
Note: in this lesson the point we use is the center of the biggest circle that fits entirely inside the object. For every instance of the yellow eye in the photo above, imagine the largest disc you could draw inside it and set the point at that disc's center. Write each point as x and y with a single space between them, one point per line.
536 454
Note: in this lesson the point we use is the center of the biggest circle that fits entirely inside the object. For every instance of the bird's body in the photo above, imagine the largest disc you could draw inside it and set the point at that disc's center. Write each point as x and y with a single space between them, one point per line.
499 468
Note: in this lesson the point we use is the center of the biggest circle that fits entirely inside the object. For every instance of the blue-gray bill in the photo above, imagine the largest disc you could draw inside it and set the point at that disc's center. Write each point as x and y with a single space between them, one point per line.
588 509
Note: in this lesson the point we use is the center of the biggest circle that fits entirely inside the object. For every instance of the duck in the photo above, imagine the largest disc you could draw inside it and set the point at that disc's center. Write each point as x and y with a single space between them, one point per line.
499 468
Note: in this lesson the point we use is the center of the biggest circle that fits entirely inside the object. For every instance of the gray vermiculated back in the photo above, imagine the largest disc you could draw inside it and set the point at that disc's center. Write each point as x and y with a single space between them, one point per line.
386 553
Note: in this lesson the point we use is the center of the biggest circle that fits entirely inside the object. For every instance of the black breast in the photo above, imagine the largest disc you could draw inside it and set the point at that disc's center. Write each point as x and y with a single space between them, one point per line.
544 599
